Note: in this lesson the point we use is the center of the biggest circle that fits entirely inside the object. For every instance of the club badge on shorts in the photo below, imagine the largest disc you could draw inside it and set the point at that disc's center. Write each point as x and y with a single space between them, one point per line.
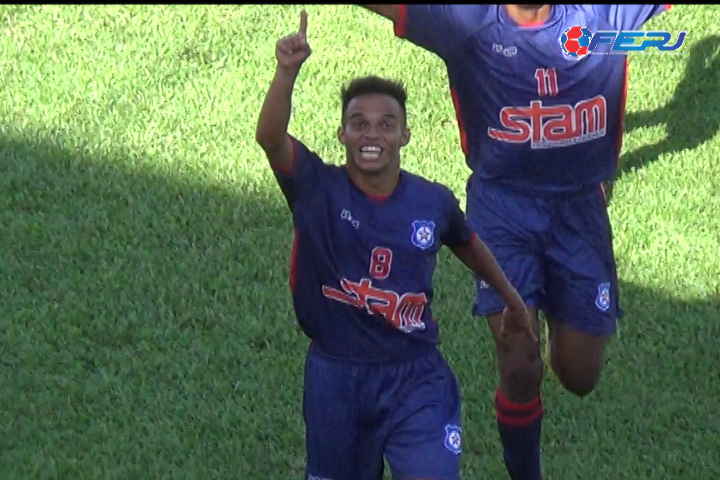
453 438
602 301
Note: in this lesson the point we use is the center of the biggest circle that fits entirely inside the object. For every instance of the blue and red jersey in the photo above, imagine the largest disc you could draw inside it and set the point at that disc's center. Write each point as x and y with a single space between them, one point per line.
530 115
362 267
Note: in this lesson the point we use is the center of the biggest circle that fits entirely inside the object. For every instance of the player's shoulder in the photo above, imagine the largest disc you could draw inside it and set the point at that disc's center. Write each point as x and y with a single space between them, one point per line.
472 12
588 9
429 189
417 181
308 162
604 16
479 16
301 151
472 19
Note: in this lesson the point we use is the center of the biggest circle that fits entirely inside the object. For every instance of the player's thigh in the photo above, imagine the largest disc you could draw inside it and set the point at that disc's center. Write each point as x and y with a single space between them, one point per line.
425 436
581 290
508 222
336 445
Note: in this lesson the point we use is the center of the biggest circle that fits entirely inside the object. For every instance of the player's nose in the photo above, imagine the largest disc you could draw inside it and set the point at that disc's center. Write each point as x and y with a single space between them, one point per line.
372 134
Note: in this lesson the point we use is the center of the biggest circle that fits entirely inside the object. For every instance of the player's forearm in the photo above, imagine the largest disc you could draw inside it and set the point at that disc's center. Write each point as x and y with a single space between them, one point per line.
272 126
478 258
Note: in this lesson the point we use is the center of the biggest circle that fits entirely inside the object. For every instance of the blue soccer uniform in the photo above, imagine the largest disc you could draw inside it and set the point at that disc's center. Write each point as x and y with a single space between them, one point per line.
361 275
541 131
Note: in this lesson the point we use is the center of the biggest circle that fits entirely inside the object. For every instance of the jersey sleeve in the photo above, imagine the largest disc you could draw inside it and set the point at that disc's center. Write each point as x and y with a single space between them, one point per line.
629 17
441 29
303 176
457 232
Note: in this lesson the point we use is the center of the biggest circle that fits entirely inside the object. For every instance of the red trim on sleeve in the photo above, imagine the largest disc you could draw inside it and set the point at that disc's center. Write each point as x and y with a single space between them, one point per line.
458 116
291 170
668 8
400 24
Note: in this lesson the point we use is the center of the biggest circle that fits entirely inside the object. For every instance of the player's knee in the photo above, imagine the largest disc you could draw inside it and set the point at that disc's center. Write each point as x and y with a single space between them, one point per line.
576 358
580 381
521 370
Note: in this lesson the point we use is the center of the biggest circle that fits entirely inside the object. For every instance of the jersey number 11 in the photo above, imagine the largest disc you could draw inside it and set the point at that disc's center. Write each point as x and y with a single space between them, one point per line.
547 82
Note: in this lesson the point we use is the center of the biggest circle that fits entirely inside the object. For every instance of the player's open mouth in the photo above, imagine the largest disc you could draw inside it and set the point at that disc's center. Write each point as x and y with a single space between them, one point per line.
370 152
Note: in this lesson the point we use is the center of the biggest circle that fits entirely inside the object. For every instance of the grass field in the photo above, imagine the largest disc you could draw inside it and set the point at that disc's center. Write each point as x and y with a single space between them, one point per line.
146 329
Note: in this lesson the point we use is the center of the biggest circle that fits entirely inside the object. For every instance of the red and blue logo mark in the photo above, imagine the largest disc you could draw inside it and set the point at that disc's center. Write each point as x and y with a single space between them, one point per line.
577 41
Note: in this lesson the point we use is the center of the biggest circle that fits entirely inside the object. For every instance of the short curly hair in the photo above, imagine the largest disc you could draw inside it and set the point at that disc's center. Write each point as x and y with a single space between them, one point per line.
373 84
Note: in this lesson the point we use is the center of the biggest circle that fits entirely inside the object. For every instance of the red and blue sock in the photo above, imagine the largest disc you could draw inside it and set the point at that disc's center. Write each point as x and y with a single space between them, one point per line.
519 425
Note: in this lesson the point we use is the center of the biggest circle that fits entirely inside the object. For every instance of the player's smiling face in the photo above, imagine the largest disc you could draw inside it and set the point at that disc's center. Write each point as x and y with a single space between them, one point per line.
374 130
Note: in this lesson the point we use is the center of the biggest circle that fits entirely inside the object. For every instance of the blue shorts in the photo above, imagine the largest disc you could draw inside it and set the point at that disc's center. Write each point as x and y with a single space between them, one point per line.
356 413
555 248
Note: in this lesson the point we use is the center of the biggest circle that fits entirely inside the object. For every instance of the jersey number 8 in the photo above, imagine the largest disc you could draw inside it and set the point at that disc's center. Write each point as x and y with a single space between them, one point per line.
380 263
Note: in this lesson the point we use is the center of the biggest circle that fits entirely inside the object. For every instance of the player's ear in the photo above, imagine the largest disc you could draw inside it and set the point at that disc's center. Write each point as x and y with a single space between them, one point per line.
341 134
405 138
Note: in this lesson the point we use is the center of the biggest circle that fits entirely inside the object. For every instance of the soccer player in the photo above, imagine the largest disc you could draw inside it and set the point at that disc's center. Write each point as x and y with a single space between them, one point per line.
541 132
367 237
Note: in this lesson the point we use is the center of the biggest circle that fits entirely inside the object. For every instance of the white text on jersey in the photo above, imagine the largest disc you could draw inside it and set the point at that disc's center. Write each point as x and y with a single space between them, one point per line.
403 312
553 126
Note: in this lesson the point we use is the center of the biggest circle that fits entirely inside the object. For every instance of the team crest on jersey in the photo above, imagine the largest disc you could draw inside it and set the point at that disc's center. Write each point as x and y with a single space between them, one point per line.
603 296
453 438
423 235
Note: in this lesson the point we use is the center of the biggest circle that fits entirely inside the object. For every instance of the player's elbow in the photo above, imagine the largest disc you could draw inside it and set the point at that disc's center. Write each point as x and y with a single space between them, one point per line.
279 152
468 253
261 137
267 141
463 252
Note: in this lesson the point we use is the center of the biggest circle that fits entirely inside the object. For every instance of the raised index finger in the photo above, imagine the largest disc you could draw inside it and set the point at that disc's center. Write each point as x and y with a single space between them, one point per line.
303 23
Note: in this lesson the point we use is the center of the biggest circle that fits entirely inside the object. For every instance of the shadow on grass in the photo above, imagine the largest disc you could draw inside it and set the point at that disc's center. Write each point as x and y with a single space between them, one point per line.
145 324
691 116
146 332
657 394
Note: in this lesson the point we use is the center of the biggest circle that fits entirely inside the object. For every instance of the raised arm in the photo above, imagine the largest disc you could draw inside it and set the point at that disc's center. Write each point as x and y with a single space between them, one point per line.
272 127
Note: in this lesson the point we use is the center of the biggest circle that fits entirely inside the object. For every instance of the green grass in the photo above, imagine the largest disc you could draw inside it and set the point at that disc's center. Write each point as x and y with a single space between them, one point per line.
146 329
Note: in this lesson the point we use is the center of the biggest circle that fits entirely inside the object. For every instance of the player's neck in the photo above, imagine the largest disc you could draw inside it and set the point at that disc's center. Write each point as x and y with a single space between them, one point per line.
528 14
375 186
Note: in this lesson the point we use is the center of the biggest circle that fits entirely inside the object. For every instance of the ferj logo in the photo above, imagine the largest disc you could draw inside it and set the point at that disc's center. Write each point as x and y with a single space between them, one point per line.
577 41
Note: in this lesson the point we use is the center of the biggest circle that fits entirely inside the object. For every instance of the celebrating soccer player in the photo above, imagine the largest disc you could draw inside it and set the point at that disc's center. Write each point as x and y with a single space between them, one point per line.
367 237
541 124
